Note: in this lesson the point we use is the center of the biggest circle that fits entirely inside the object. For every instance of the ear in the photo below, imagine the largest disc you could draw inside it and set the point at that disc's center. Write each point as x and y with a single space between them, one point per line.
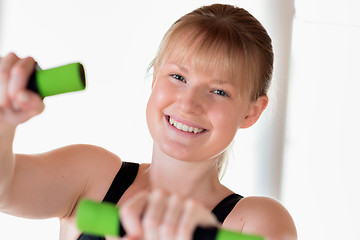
255 110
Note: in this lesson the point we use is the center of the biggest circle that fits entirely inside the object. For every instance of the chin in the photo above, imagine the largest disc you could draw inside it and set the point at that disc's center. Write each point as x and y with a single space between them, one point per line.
182 153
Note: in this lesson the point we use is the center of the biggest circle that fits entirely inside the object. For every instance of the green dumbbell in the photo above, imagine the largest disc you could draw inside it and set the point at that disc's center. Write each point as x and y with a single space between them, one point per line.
102 219
63 79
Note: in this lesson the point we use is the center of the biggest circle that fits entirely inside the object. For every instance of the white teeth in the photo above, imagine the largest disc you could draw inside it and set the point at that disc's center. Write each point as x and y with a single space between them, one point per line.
184 127
178 125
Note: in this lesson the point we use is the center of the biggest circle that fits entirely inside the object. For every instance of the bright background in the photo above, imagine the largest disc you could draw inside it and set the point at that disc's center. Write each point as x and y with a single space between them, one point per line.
116 40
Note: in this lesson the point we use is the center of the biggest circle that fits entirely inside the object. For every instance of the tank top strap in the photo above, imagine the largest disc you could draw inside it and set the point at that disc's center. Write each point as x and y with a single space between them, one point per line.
122 181
223 209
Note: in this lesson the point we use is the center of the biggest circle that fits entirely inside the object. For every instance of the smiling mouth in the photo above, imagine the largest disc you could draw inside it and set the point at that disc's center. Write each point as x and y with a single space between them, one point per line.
184 127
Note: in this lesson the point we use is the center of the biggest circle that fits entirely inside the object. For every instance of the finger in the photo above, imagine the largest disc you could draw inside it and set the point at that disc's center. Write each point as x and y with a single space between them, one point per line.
115 238
194 215
120 238
172 216
28 101
127 238
5 68
130 215
154 214
187 224
27 104
20 74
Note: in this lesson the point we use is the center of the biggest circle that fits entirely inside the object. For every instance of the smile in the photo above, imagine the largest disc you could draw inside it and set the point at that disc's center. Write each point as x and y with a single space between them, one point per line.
184 127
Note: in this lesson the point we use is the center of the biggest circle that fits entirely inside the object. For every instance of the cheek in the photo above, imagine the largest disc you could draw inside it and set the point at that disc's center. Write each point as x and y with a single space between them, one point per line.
156 104
154 100
151 108
151 115
225 124
225 119
160 94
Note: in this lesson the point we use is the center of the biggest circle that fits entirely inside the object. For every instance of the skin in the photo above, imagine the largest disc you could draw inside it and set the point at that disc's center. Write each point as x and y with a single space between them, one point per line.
170 196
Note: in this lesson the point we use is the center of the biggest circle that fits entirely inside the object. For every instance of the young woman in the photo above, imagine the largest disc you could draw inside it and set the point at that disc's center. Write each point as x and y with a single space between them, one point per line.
211 76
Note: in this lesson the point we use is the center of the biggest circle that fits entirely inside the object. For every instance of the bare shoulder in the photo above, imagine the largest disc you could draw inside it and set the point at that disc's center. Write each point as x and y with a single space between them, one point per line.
262 216
83 154
87 159
91 165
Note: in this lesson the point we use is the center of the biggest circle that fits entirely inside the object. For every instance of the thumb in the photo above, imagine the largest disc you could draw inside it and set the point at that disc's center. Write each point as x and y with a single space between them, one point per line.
28 101
26 105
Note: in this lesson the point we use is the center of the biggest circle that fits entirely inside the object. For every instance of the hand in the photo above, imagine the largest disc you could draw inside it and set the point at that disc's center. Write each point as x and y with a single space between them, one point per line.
158 215
17 104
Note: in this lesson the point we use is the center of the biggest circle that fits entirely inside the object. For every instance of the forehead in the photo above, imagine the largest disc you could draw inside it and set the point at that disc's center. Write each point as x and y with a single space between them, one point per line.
193 54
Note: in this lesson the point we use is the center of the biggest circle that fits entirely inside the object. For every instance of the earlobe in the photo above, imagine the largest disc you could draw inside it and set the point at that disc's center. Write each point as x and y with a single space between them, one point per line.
255 110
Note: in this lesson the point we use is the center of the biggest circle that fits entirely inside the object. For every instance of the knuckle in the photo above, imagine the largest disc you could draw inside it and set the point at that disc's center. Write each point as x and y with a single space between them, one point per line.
175 198
166 229
11 55
18 70
23 67
157 194
175 201
126 211
191 205
183 235
4 74
30 59
150 222
185 227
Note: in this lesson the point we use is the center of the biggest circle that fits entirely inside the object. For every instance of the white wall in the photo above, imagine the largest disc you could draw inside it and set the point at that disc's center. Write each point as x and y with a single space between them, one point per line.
321 181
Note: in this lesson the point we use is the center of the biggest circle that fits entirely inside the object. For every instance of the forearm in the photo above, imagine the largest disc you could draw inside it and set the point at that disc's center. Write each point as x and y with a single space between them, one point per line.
7 163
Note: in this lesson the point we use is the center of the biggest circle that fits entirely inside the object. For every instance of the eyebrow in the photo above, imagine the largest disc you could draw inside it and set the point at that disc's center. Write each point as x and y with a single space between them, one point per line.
222 82
219 81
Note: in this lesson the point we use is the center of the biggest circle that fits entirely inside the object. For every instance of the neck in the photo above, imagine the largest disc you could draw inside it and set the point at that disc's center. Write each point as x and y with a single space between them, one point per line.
186 178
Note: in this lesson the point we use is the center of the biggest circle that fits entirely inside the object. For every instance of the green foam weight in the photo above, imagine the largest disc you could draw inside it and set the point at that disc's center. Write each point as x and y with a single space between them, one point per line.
63 79
102 219
224 234
98 218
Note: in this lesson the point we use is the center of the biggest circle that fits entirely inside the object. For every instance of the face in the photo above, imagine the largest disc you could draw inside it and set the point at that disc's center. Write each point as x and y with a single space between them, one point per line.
193 116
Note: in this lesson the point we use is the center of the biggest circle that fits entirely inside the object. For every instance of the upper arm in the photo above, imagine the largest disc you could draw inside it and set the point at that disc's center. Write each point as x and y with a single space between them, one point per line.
263 216
49 184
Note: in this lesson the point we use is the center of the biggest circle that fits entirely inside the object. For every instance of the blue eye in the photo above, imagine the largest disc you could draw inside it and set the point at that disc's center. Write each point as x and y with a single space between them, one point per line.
178 77
221 93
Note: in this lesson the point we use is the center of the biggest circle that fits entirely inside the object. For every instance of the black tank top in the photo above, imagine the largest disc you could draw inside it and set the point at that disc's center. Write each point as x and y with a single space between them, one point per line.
126 176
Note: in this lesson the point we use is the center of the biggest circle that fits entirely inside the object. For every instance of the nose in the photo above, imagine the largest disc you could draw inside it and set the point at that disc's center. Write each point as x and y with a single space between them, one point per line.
191 101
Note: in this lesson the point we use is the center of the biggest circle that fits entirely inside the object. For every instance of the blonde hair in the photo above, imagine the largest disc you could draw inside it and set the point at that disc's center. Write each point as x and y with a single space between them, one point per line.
228 38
